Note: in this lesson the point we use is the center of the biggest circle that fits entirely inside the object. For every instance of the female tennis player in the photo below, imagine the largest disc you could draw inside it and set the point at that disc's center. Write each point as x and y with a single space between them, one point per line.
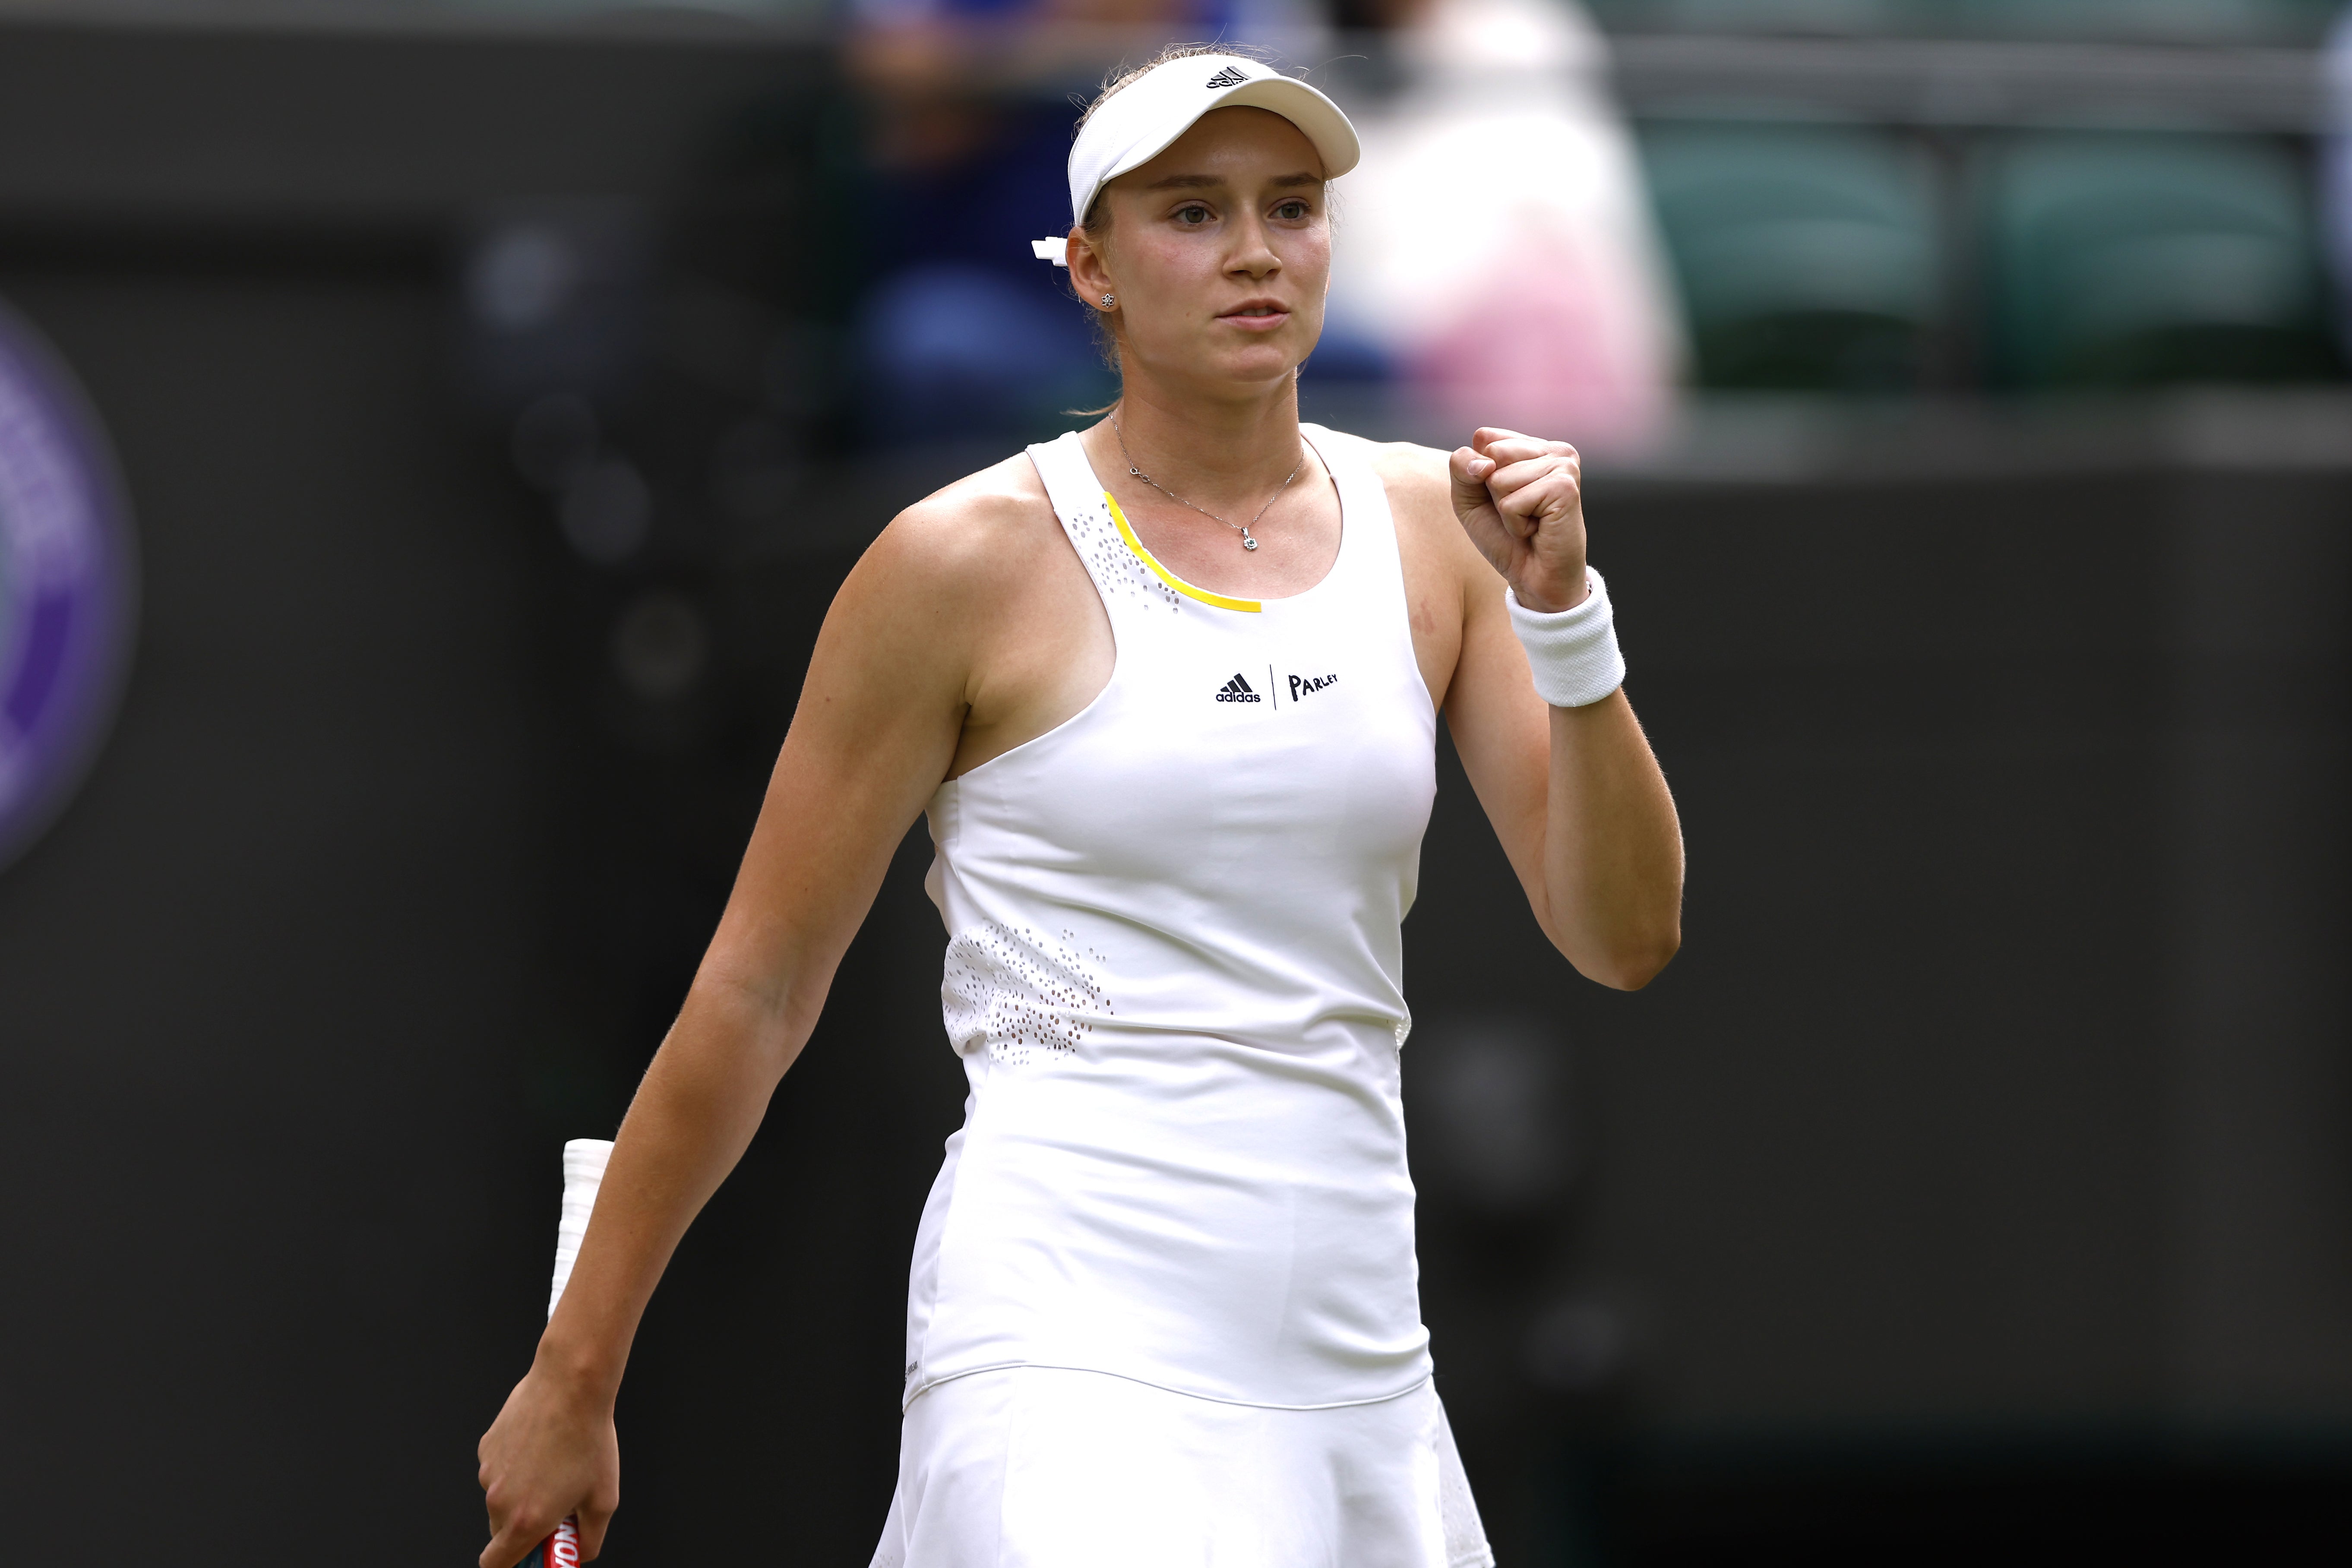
1168 689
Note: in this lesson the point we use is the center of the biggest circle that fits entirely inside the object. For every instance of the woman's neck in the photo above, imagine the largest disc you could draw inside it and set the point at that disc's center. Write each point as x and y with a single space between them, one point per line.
1209 450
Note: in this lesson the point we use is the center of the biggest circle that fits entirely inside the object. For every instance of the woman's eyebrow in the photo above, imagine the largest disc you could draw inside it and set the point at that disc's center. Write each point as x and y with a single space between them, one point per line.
1210 182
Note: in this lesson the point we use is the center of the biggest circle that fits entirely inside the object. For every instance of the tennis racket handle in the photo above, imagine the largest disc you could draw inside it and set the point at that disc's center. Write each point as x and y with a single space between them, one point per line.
583 1172
561 1550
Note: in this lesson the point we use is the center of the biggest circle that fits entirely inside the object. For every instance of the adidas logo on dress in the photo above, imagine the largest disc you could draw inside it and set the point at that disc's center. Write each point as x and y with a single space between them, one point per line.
1237 691
1229 77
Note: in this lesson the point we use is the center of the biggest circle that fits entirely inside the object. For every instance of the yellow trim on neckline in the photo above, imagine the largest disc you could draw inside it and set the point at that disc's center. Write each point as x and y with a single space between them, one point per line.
1182 586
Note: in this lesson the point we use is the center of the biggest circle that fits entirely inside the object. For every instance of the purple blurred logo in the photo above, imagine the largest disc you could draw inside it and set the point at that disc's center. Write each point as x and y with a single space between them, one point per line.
68 594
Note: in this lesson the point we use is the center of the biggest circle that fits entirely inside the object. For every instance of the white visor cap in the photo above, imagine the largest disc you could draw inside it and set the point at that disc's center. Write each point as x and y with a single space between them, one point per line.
1143 119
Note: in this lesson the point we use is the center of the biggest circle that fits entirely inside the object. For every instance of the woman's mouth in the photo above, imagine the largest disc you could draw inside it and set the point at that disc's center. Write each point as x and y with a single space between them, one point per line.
1256 315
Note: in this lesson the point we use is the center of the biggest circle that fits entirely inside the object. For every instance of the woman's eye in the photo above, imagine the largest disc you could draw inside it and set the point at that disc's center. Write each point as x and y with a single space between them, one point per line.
1291 210
1192 215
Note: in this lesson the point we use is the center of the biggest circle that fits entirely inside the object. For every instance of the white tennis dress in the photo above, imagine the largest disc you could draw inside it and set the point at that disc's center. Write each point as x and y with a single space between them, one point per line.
1164 1309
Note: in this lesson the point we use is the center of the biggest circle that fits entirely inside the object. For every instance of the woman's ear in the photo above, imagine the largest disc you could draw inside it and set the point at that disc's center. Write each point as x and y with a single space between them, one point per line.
1088 273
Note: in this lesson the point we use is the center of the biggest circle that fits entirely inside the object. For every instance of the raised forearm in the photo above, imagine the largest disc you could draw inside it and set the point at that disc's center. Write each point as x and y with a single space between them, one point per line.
1613 853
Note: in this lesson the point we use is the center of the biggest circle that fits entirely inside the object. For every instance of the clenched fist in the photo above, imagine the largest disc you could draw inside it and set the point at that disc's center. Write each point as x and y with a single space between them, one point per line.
1521 500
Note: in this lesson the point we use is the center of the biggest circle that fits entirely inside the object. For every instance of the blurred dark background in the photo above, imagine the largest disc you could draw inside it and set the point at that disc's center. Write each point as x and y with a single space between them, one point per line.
501 393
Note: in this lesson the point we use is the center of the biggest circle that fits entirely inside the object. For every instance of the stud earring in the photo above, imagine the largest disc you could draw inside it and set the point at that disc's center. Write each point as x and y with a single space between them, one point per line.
1109 300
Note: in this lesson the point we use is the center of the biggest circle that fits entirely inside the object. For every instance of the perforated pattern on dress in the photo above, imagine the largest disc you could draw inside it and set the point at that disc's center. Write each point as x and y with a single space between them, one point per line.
1111 563
1018 992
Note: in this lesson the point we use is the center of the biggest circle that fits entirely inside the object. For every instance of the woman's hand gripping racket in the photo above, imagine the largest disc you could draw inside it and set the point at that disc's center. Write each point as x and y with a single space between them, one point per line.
583 1170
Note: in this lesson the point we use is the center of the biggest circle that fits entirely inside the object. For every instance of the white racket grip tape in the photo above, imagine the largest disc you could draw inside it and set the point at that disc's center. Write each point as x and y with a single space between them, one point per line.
584 1173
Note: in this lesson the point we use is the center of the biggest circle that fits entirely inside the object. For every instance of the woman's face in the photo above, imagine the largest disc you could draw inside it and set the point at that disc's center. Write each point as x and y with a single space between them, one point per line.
1220 252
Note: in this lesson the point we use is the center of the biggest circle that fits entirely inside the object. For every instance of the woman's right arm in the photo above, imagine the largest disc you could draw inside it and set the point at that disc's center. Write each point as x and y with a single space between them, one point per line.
880 713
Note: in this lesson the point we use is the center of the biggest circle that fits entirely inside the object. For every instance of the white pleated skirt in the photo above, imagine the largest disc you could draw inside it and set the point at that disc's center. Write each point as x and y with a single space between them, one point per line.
1044 1467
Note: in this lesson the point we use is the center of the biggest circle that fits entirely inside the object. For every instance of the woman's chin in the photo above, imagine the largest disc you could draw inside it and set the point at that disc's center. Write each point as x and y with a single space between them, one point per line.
1227 370
1258 365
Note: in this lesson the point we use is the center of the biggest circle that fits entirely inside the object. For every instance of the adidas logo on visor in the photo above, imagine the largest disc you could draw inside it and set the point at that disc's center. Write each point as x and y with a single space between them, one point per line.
1230 77
1238 690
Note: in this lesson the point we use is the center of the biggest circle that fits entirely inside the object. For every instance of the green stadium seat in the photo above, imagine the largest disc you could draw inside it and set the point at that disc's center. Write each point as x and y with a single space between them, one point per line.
2122 260
1807 255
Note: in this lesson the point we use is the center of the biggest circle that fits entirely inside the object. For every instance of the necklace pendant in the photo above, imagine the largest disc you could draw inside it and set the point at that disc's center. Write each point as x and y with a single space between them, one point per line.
1247 542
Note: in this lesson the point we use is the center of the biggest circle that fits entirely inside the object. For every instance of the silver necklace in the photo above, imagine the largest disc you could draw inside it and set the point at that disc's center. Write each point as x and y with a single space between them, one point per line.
1243 528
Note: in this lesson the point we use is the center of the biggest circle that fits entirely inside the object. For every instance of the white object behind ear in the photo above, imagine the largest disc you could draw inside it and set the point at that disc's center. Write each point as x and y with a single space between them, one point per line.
1055 250
584 1173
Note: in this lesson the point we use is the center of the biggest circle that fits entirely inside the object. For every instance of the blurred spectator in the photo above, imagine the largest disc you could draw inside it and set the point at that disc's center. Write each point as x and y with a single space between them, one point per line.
963 333
1496 240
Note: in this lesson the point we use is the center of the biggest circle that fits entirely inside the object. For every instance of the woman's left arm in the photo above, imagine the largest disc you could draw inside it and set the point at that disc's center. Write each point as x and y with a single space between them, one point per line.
1574 794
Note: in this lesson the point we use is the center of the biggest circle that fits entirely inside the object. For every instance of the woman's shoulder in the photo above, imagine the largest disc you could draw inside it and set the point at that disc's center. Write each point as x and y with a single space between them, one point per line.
986 526
1439 558
1419 487
1416 471
1003 496
1413 474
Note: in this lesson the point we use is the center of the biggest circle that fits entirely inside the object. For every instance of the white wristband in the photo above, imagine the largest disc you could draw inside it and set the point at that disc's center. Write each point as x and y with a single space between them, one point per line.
1572 652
